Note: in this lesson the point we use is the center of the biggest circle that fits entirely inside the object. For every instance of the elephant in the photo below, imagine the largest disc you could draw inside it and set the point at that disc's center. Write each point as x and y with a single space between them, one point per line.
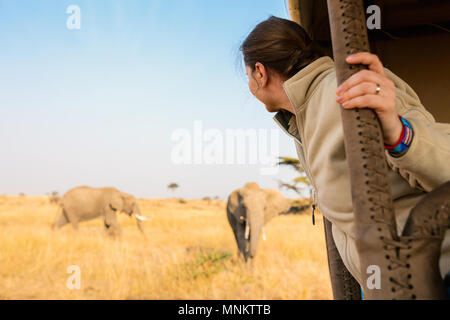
248 210
86 203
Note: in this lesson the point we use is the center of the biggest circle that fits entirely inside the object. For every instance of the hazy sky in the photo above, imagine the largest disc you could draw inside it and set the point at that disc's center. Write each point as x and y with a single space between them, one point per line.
99 106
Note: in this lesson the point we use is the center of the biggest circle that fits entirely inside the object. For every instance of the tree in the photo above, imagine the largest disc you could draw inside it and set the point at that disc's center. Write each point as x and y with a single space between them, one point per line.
300 183
173 186
54 197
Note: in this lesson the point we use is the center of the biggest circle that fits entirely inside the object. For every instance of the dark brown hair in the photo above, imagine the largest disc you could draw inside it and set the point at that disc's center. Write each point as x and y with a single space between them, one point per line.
281 45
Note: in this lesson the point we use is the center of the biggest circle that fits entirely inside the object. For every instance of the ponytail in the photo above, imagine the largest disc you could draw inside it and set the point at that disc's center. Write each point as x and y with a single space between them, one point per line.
281 45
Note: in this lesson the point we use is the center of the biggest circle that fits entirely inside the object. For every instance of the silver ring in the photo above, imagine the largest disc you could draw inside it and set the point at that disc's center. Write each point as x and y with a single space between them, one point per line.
378 89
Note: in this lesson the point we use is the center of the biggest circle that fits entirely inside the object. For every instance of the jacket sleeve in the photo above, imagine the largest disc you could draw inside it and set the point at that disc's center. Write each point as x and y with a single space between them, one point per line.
426 164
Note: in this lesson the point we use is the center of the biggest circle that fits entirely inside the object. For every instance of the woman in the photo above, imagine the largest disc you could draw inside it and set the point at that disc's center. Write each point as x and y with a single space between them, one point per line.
289 74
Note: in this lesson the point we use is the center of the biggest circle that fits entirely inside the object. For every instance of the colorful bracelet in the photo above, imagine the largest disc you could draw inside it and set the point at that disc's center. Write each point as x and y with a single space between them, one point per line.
405 139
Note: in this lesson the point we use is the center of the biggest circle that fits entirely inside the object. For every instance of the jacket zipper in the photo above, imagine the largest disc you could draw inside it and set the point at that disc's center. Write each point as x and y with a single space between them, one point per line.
303 161
314 206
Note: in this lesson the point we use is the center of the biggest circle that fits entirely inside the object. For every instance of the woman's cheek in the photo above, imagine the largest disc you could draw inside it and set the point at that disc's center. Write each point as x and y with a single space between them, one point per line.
251 87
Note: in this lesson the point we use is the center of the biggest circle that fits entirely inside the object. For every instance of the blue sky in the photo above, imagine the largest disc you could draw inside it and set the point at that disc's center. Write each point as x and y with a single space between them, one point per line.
97 106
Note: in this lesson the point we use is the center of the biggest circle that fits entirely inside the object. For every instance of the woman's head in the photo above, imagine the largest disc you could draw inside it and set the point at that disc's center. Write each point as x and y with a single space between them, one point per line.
274 51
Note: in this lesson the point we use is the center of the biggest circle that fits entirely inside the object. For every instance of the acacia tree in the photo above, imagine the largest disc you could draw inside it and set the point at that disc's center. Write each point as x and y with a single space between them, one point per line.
54 197
300 183
173 186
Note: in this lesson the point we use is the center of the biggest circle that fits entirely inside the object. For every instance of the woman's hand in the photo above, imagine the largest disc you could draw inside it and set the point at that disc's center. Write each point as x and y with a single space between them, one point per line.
361 91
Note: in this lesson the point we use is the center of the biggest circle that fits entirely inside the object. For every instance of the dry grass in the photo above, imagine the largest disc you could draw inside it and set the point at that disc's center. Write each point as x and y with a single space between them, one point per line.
188 253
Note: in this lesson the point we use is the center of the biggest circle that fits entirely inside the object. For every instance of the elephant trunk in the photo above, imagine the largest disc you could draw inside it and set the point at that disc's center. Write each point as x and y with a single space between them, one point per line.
254 226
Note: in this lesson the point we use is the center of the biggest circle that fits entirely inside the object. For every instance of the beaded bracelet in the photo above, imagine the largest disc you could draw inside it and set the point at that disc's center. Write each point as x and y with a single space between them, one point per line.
405 139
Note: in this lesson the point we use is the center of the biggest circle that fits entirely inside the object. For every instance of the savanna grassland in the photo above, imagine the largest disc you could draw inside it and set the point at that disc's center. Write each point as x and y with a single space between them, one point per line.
188 253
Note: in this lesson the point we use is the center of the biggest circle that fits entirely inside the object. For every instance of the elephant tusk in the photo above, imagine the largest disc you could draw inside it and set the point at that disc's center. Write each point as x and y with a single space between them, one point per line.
242 218
247 231
263 235
141 218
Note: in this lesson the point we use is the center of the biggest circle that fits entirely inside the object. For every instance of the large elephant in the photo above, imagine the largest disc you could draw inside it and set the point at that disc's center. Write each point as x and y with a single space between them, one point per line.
85 203
248 210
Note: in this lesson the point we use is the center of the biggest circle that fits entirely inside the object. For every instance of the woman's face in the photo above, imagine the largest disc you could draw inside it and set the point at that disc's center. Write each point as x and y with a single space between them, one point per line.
266 91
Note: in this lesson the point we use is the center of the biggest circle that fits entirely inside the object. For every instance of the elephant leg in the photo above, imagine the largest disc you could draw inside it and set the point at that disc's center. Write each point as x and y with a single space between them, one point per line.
73 219
65 219
74 223
61 221
111 224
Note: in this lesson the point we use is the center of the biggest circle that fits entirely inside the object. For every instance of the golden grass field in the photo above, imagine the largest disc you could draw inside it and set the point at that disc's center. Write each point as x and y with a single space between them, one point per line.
188 253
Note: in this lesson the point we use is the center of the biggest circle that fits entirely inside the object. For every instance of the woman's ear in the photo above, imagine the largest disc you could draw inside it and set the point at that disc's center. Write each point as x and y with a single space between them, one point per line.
260 74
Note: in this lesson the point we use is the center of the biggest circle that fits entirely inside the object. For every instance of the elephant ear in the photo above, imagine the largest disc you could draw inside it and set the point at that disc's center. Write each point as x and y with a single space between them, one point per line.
128 200
234 206
115 201
276 203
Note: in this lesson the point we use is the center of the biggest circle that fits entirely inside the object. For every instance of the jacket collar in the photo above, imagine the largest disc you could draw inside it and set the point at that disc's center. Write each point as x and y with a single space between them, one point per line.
299 88
286 121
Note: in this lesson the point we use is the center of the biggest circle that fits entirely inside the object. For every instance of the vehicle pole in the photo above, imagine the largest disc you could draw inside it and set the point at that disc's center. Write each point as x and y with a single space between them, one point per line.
372 200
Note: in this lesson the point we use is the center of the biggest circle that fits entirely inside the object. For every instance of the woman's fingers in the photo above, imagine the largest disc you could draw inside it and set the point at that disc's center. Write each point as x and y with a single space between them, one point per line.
366 92
369 59
375 73
357 78
375 102
361 89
